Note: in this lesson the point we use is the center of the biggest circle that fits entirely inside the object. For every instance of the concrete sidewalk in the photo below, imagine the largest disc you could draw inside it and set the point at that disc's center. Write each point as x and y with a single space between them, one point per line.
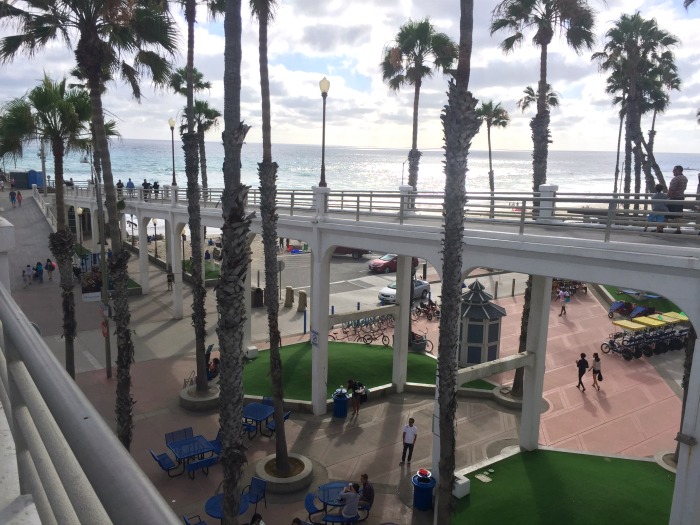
636 413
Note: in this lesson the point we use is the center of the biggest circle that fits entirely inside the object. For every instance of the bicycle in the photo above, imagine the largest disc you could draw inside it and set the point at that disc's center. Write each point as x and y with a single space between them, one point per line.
421 342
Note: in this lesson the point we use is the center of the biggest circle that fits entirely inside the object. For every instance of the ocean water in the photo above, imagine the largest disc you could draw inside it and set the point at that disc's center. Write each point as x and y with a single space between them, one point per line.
358 168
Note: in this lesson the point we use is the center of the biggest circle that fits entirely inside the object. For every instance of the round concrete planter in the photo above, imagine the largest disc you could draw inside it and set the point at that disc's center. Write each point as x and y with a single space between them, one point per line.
190 399
286 485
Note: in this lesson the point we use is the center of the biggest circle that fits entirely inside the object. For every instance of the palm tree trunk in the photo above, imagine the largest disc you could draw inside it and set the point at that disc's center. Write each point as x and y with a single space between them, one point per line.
617 156
118 269
267 171
230 291
687 365
460 125
540 127
414 155
516 390
492 182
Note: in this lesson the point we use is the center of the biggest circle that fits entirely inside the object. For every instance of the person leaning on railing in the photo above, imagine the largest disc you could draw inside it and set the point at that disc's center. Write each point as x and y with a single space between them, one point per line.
676 192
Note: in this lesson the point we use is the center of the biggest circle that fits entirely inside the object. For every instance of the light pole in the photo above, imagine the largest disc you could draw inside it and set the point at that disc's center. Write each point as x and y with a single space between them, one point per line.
325 85
184 238
155 236
171 123
79 211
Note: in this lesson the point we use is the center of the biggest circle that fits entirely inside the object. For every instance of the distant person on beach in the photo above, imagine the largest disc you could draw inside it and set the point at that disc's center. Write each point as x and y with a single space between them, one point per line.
13 198
582 366
146 189
120 188
676 192
596 370
130 188
658 209
156 187
19 198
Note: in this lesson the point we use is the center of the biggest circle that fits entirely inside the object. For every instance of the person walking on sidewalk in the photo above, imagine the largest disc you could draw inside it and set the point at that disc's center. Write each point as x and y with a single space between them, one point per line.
13 198
565 297
19 198
410 434
596 370
582 365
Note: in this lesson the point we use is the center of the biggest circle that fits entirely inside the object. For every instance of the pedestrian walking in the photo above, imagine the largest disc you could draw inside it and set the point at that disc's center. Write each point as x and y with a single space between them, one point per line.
410 434
170 278
565 297
49 267
13 198
19 198
25 279
597 375
582 366
39 269
29 271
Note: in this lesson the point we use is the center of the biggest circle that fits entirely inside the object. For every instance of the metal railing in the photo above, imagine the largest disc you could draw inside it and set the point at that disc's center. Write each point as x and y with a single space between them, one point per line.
68 459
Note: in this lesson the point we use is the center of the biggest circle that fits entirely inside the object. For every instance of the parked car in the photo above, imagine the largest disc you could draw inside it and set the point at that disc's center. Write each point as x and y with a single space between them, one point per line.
355 252
387 263
420 291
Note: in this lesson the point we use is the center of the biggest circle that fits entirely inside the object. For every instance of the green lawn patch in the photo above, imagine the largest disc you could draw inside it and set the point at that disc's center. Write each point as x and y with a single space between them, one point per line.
555 488
660 305
211 273
479 384
366 363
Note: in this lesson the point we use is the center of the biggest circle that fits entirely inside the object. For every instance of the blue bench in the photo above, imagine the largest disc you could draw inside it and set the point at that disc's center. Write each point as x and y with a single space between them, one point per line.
271 425
165 462
251 429
335 518
202 464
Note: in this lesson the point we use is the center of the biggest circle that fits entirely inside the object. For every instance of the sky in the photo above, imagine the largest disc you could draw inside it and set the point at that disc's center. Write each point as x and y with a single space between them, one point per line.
345 41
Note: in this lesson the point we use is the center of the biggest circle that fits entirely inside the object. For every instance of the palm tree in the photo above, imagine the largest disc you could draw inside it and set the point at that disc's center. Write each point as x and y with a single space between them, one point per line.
493 116
530 98
460 124
234 268
263 10
205 118
633 52
406 61
103 34
575 21
178 81
687 3
51 112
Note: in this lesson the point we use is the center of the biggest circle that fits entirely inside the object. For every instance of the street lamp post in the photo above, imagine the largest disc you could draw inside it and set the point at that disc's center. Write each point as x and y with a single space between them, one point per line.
79 211
155 236
184 238
325 85
171 123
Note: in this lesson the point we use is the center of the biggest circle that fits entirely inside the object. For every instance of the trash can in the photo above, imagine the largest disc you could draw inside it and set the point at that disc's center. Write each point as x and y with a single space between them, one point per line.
423 485
340 403
258 300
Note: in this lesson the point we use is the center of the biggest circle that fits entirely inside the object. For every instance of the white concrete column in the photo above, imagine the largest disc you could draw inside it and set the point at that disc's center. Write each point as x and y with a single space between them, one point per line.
685 509
143 254
403 299
547 207
320 279
122 225
170 247
7 245
175 255
533 380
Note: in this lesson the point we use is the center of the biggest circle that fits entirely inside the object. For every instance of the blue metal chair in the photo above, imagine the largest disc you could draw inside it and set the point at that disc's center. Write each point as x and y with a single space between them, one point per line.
165 462
255 492
310 505
271 425
179 435
251 429
267 400
216 443
191 520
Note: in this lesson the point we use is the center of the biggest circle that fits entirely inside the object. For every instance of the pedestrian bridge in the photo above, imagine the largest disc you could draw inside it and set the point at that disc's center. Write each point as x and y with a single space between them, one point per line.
597 238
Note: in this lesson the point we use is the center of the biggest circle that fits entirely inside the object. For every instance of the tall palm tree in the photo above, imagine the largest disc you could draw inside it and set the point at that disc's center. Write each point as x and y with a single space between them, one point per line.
494 116
103 34
460 124
263 10
407 61
574 19
234 268
632 52
52 112
205 118
178 81
530 98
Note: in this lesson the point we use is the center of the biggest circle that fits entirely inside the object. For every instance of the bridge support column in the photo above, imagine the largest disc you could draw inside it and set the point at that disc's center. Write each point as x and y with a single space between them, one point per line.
685 509
533 380
175 256
167 235
143 255
404 272
7 241
320 279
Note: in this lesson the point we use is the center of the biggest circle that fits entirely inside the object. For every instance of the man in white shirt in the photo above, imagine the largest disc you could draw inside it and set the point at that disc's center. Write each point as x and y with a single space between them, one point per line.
410 434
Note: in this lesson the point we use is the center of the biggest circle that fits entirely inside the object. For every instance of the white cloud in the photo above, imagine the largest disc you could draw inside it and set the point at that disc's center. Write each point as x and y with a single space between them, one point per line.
345 40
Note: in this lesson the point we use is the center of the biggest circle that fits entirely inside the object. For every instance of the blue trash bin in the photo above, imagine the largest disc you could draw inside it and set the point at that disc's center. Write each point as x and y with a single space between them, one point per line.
340 403
423 492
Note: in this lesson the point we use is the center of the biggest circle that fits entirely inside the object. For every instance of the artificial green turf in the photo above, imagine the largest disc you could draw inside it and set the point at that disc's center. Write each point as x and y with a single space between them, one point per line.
369 364
212 272
660 305
479 384
555 488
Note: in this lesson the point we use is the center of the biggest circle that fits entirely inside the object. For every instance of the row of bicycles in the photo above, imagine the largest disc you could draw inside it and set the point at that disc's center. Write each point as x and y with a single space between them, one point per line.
646 343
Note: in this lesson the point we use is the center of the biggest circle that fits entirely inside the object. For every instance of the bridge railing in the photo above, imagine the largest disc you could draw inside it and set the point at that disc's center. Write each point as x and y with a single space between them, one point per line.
68 459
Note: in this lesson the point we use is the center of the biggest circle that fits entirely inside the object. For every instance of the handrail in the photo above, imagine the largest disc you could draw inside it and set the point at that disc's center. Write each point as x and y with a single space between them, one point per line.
96 448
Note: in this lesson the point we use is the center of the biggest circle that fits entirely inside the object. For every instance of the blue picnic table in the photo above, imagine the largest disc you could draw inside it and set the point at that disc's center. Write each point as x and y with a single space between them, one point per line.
214 506
258 413
185 449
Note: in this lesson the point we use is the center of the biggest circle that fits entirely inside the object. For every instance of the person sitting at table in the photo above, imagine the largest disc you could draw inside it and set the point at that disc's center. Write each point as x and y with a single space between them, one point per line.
213 370
350 498
366 492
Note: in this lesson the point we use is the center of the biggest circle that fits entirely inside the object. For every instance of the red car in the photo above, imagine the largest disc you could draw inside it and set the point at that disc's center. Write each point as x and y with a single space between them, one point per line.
387 263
